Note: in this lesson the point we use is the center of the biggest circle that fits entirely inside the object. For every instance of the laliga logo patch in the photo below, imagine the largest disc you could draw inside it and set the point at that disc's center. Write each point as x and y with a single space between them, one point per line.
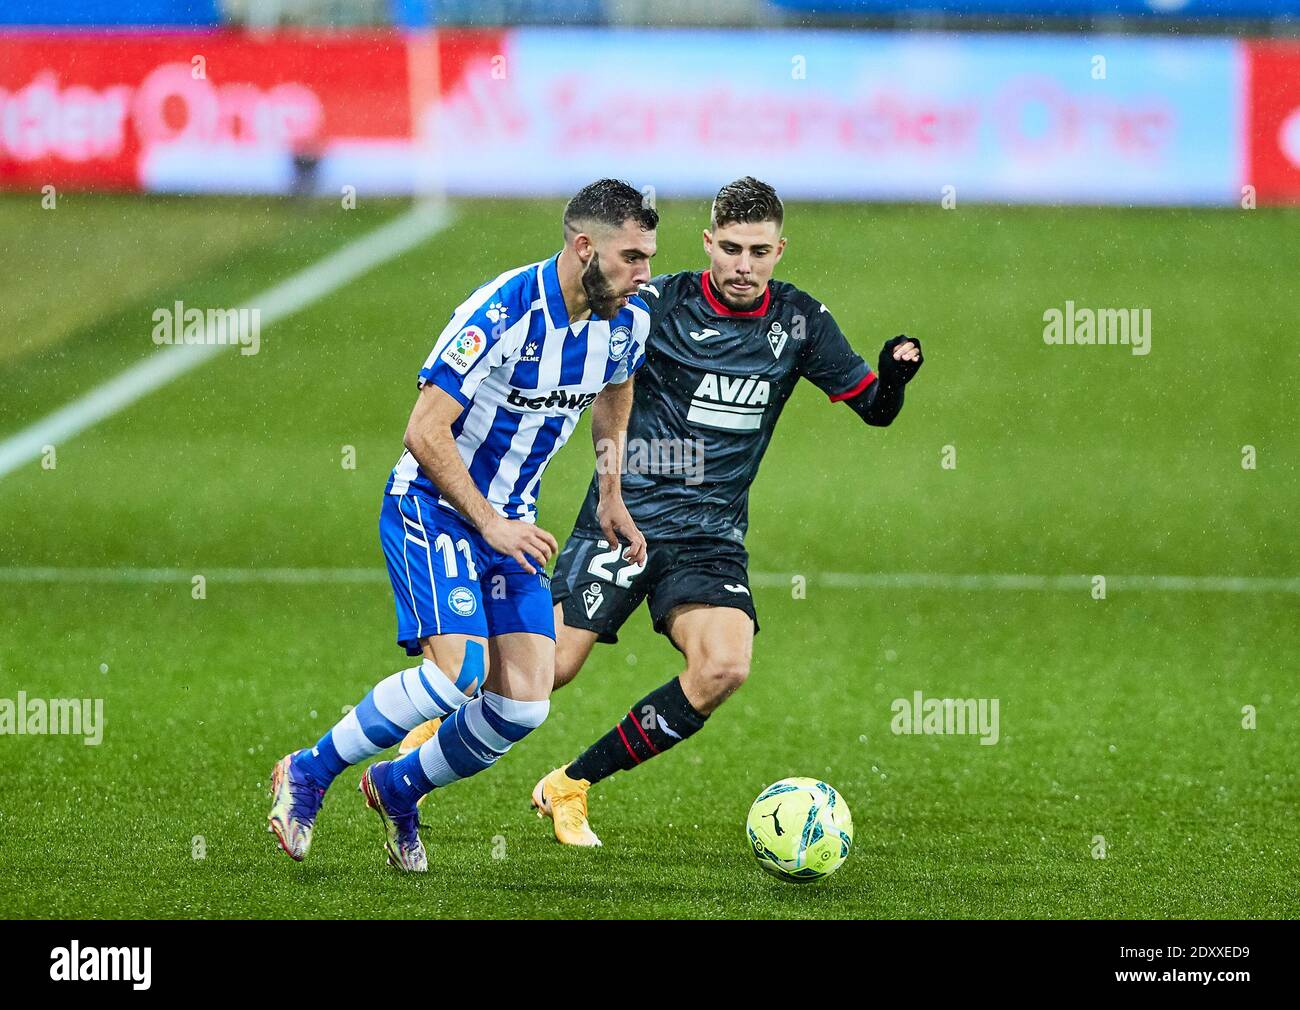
776 338
619 340
462 601
592 598
465 346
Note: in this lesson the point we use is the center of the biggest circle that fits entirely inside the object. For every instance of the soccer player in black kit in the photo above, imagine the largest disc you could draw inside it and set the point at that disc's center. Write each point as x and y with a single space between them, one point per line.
726 347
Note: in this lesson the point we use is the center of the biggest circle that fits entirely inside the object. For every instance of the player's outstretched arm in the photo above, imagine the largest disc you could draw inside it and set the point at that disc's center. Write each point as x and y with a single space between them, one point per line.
879 403
428 436
609 415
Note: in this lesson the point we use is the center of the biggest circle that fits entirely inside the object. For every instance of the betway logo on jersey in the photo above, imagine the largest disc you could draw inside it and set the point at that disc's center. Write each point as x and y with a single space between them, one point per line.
722 401
556 398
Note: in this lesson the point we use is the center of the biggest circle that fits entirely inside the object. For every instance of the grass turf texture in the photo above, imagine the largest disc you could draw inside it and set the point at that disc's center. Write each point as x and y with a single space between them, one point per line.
1119 717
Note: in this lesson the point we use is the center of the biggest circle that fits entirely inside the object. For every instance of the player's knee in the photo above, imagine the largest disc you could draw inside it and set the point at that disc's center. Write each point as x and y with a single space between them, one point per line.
717 677
466 670
514 719
539 710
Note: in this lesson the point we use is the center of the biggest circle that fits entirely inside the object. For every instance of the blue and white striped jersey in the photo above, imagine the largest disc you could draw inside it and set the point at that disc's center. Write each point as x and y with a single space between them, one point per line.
525 376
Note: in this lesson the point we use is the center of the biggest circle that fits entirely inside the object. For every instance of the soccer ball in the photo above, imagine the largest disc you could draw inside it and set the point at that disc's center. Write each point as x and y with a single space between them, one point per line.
800 829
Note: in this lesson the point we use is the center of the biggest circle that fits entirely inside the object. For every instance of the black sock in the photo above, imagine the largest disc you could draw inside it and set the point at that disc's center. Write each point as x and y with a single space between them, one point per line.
662 718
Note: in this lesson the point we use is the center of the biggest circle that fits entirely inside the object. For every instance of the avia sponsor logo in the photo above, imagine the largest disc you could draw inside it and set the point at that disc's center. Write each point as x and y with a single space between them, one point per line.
76 963
556 399
723 401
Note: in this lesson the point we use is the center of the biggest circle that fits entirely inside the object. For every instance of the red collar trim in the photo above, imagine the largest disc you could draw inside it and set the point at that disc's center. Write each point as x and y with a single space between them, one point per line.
715 303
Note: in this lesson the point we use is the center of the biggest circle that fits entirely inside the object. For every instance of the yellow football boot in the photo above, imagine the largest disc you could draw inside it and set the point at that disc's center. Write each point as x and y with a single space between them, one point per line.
412 740
564 801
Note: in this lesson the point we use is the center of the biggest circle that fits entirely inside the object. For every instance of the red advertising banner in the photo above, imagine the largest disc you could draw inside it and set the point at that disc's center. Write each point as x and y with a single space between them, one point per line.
1273 130
89 111
509 111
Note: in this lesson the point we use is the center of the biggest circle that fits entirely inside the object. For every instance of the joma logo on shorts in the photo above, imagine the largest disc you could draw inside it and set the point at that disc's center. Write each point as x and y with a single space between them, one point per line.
556 398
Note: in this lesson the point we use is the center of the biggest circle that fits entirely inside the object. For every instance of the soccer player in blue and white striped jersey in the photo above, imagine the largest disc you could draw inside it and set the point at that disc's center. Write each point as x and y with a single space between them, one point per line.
503 388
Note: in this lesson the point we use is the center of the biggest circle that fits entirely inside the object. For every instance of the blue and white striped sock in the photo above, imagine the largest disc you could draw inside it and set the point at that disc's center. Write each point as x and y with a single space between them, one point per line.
396 705
472 739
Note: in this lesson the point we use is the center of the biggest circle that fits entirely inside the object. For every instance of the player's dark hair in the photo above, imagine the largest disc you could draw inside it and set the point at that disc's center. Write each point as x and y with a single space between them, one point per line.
609 202
746 200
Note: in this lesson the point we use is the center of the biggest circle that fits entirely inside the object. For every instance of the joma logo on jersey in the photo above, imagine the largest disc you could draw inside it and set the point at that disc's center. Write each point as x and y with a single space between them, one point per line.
722 401
556 398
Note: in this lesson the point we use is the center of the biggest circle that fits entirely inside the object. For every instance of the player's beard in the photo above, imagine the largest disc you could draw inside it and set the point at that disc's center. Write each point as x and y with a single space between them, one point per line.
738 306
601 295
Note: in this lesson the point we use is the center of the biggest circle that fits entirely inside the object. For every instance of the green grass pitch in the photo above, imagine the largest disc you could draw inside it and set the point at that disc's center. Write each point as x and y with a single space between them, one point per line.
1120 718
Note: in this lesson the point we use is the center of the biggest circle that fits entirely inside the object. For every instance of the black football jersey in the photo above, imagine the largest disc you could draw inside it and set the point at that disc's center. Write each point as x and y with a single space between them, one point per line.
708 398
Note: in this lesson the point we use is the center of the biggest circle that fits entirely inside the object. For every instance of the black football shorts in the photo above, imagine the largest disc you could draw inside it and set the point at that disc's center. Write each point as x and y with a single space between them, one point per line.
599 590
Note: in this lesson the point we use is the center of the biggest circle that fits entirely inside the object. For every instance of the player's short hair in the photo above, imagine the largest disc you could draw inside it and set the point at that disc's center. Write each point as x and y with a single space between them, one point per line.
747 200
609 202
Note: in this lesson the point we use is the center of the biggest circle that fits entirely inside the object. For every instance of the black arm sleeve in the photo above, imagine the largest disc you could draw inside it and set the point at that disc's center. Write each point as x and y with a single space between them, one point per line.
878 404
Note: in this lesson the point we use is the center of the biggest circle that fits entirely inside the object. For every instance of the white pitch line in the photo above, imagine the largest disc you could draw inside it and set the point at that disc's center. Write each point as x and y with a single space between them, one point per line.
1035 583
760 580
284 299
128 576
